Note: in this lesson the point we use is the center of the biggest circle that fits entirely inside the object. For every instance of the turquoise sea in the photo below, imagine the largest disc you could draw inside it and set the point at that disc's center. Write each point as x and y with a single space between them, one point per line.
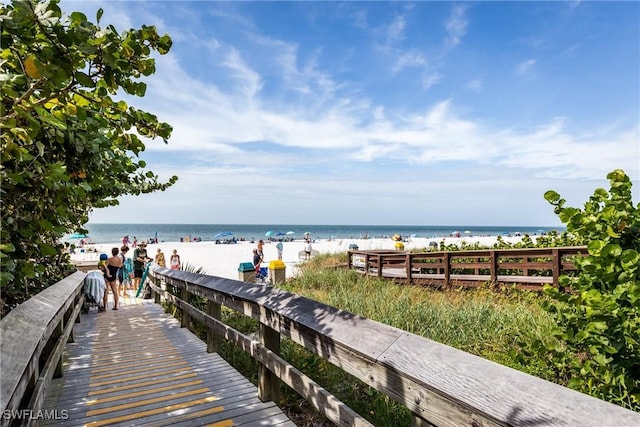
111 233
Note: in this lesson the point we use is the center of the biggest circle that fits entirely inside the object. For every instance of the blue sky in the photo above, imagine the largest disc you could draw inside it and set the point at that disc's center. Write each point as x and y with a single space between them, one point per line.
404 113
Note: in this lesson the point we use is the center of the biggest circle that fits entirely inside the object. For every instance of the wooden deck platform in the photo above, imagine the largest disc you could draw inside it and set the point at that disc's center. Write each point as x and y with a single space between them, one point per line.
136 366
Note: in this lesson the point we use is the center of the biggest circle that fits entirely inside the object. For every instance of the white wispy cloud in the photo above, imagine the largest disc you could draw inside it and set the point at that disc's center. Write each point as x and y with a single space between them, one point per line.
456 26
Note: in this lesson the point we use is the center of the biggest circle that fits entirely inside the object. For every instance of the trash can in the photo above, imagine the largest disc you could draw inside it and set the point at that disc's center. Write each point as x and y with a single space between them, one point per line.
277 272
353 247
399 246
247 272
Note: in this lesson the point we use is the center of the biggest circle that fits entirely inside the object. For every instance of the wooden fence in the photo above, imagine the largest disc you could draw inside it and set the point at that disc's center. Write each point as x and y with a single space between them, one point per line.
33 336
526 268
440 385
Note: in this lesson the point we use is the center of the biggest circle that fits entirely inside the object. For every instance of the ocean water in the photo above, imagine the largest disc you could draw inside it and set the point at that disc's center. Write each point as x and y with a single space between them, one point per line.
112 233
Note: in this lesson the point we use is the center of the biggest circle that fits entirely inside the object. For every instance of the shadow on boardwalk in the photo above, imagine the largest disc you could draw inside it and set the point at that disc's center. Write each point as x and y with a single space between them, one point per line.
136 366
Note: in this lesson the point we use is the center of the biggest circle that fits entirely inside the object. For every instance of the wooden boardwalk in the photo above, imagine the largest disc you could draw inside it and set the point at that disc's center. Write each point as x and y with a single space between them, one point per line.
136 366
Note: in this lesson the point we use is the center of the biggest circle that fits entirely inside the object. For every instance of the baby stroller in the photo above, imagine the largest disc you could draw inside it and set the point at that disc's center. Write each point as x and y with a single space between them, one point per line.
261 275
94 289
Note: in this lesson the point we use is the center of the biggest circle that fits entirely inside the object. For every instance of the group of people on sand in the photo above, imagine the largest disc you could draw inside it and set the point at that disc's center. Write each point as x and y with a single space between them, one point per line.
122 273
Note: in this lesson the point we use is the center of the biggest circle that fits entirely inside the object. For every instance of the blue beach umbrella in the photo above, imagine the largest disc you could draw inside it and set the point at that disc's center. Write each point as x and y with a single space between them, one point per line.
77 236
268 233
279 233
223 234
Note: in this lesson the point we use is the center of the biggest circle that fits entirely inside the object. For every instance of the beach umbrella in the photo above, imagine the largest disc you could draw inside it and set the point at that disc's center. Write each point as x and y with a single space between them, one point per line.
279 233
268 233
223 234
77 236
289 233
306 233
467 232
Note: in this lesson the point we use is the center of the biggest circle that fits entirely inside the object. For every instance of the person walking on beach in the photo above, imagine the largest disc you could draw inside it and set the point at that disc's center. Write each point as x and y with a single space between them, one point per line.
260 248
160 258
175 260
307 250
140 258
279 248
114 263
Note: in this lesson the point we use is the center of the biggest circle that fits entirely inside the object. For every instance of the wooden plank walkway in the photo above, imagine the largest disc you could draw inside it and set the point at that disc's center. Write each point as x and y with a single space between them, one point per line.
136 366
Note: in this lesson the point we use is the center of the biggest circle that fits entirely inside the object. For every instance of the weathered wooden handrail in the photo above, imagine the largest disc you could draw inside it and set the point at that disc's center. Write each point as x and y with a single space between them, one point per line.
534 266
32 340
438 384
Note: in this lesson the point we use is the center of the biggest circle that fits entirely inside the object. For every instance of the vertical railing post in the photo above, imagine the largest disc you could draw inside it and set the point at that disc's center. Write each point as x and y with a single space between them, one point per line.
268 382
525 264
366 264
185 295
493 267
349 263
161 284
409 268
214 310
556 266
380 265
57 373
447 269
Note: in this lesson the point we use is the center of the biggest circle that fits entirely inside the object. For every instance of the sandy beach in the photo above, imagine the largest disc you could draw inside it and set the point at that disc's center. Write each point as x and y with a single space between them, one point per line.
223 260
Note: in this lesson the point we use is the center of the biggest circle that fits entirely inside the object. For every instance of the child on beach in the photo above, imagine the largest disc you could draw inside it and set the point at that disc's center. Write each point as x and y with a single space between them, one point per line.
175 260
125 272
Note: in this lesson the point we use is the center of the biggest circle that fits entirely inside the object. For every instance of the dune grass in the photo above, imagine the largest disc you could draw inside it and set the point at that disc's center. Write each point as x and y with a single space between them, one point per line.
480 321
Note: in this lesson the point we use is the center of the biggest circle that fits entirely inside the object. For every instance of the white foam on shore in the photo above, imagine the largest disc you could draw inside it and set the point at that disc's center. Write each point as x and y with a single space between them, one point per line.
223 260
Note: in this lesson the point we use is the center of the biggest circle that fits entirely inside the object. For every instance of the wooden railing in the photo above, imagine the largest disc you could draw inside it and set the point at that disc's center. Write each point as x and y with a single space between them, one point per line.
526 268
32 340
440 385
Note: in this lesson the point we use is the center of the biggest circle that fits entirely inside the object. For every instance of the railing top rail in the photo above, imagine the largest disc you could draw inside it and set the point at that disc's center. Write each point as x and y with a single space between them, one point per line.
25 331
477 252
501 395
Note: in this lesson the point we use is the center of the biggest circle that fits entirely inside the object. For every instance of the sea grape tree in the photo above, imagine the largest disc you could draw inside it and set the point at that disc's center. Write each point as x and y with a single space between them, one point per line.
67 145
598 310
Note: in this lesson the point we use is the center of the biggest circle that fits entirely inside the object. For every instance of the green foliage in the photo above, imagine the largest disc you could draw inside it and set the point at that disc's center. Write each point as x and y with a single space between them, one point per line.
599 316
67 146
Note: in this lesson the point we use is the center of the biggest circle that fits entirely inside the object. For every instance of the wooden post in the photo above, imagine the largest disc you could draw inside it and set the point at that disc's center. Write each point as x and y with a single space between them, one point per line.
408 267
447 269
380 265
156 295
268 383
185 319
557 266
57 373
493 268
349 263
214 310
366 264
